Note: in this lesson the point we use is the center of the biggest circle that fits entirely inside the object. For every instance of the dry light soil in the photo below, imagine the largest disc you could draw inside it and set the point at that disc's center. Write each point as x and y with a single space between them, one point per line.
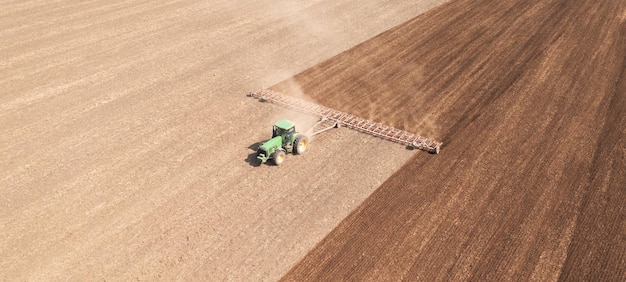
127 139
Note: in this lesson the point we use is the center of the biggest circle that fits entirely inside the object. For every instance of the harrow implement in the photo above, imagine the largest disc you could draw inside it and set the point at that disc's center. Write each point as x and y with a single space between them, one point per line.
351 121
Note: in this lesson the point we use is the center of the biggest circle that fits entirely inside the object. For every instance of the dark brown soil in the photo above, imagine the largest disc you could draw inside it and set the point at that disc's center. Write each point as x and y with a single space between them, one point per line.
529 98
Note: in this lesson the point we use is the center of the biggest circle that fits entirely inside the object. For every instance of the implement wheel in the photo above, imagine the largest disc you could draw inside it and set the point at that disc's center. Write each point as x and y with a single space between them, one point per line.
301 144
279 157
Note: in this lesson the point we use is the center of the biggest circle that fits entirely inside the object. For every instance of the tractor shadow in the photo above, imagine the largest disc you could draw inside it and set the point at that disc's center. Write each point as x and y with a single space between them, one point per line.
251 159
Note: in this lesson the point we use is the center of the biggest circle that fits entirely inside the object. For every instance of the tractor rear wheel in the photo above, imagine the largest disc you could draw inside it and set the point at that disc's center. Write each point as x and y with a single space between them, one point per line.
301 144
279 157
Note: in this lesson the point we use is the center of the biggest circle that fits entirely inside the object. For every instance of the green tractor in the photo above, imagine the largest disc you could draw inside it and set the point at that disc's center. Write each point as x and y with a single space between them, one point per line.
284 140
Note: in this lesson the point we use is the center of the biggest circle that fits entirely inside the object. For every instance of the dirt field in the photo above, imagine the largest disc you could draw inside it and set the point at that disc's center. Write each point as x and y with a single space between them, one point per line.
127 138
529 98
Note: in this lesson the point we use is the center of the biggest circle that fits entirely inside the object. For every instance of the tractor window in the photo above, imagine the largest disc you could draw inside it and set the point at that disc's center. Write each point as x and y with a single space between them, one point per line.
276 131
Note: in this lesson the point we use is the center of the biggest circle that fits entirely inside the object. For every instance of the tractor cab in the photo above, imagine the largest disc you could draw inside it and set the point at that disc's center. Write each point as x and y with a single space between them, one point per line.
283 128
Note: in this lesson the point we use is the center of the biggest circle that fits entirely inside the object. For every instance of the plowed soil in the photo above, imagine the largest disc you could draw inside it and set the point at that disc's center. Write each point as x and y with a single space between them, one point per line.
529 98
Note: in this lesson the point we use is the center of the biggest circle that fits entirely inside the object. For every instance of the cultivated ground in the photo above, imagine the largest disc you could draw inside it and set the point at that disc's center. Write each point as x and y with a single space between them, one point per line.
529 99
127 138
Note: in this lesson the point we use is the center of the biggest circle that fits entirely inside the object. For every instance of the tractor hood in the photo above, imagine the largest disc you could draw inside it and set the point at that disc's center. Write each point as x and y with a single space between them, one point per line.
275 142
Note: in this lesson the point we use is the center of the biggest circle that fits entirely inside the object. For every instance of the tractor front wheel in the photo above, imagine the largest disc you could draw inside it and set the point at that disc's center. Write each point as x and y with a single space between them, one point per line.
279 157
301 144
